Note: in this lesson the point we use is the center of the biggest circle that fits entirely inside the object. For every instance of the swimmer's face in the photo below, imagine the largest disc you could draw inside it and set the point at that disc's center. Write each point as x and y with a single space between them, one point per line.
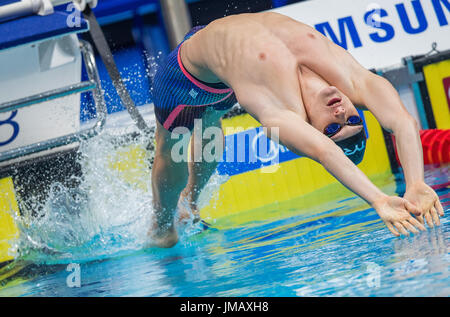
329 105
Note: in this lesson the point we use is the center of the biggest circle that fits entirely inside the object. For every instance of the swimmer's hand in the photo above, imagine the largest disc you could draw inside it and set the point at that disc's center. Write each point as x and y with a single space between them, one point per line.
427 202
395 213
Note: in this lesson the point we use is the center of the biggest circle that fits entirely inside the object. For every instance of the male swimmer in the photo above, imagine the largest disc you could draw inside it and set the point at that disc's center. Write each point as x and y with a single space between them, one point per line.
287 76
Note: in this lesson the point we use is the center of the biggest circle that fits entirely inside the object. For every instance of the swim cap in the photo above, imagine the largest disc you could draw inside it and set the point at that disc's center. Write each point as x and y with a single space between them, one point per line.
354 146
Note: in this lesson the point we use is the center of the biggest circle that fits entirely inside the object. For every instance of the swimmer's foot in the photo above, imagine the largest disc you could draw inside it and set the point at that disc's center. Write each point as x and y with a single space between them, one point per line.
187 209
163 238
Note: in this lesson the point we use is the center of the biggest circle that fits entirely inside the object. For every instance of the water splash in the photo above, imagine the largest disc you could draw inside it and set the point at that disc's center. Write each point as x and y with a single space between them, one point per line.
103 215
109 213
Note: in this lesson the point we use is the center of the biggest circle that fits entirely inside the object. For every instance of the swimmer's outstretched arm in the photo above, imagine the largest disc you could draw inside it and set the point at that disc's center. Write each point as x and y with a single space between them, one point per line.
303 139
340 69
381 98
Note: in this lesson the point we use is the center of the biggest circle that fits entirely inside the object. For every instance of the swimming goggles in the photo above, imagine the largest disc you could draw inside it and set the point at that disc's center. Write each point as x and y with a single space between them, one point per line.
334 127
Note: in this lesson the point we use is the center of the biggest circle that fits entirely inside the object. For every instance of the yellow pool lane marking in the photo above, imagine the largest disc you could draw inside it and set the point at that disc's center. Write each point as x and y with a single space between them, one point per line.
131 163
294 178
8 207
434 76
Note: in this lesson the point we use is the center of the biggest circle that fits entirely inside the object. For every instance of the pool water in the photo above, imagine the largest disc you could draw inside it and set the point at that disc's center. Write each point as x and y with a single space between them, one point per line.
340 248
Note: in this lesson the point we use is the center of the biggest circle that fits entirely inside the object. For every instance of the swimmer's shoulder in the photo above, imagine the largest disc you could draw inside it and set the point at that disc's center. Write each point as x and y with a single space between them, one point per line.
248 23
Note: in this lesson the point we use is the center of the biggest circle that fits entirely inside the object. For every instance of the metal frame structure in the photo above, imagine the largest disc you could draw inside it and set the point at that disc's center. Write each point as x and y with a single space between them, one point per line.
93 84
177 20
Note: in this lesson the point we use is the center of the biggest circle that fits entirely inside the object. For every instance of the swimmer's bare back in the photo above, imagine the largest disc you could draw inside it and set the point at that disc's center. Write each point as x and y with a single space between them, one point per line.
263 54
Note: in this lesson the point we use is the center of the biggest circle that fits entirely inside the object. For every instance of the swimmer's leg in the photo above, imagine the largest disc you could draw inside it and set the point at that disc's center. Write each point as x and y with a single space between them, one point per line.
168 180
200 171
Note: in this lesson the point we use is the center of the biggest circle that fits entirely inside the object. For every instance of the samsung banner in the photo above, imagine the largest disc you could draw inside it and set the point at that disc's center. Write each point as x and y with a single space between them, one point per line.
378 33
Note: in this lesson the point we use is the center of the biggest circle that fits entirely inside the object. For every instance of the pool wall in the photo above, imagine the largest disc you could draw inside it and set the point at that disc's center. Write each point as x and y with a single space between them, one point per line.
292 178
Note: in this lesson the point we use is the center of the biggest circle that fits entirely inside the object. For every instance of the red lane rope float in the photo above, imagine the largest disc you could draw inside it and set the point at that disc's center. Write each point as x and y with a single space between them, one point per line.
435 145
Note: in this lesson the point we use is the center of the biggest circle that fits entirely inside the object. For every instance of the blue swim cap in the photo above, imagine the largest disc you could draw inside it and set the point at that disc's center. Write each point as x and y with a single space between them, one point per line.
354 147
